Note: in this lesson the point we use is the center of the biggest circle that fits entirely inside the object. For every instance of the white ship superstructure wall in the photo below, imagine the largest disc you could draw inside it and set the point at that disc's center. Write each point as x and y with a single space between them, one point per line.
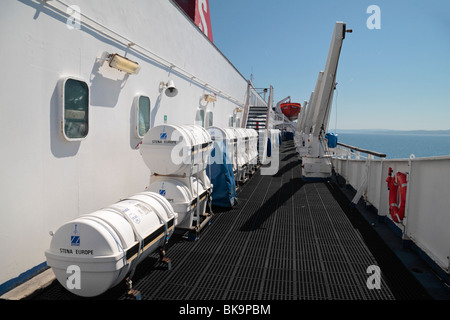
427 220
48 179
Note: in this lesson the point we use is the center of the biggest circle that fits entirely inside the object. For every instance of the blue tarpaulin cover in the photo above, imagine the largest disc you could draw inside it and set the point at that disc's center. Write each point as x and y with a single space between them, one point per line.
332 140
269 148
220 172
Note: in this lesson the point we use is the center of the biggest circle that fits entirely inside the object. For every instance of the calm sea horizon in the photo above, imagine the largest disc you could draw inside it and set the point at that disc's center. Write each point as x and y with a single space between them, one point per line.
399 145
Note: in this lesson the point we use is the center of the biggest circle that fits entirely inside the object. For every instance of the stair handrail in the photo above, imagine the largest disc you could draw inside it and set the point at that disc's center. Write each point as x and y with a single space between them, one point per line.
266 129
246 107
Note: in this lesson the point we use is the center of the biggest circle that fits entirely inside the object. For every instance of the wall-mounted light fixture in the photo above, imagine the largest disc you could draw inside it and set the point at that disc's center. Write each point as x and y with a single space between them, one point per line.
169 88
123 64
210 97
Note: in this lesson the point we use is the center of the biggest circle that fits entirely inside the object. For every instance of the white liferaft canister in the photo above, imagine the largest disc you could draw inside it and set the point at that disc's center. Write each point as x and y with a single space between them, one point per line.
203 144
242 155
233 155
184 195
173 149
96 251
229 139
253 145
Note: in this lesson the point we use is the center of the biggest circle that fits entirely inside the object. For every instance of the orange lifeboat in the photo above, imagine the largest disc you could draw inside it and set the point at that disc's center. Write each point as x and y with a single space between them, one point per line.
290 110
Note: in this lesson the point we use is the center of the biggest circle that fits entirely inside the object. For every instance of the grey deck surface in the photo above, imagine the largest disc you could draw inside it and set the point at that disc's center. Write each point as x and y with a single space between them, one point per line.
285 240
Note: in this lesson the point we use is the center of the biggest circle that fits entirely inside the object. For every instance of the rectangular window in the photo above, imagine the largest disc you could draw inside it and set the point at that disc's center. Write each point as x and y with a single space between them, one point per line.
237 124
231 121
209 119
200 117
143 115
75 109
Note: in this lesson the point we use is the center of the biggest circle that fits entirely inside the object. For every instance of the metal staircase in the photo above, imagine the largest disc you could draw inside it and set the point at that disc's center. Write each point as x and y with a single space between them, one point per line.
257 117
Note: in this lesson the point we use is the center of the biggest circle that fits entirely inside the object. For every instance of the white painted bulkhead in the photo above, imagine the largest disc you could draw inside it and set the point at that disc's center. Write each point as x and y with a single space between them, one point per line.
47 180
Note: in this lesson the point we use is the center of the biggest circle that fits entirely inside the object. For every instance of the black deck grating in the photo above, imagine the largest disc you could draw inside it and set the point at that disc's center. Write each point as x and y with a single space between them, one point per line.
285 240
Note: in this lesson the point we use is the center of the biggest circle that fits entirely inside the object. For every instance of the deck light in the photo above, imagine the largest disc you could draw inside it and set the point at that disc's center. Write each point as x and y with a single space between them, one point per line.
169 88
123 64
210 97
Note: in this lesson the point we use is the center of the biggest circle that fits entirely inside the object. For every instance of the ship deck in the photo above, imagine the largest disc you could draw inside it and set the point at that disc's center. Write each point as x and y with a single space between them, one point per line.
284 240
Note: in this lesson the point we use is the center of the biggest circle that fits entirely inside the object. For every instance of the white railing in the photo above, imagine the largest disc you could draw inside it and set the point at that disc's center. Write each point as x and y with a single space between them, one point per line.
427 211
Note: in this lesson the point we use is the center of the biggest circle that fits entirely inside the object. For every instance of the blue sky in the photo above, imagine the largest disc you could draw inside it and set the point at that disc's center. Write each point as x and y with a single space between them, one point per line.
396 77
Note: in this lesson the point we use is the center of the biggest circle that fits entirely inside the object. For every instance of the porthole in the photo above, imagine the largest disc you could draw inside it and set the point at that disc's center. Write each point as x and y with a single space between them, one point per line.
75 109
142 105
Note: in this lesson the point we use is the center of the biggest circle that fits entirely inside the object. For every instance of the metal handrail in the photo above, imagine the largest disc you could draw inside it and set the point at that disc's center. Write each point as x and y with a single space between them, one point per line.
374 153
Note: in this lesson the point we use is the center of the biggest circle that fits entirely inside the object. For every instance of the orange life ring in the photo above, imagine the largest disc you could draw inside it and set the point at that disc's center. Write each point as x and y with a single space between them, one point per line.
397 189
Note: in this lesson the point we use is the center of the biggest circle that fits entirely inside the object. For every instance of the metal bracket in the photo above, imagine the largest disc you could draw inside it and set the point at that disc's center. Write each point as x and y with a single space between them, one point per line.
164 259
135 294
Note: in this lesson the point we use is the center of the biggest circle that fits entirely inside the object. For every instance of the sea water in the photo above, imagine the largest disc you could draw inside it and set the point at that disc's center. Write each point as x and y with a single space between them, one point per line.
399 145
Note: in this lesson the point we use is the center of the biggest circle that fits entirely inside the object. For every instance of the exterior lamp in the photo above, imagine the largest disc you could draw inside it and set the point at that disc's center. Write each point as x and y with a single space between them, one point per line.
210 97
123 64
170 89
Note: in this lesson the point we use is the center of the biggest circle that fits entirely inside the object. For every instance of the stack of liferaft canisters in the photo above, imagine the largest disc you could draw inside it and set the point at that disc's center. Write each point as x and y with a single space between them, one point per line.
177 156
